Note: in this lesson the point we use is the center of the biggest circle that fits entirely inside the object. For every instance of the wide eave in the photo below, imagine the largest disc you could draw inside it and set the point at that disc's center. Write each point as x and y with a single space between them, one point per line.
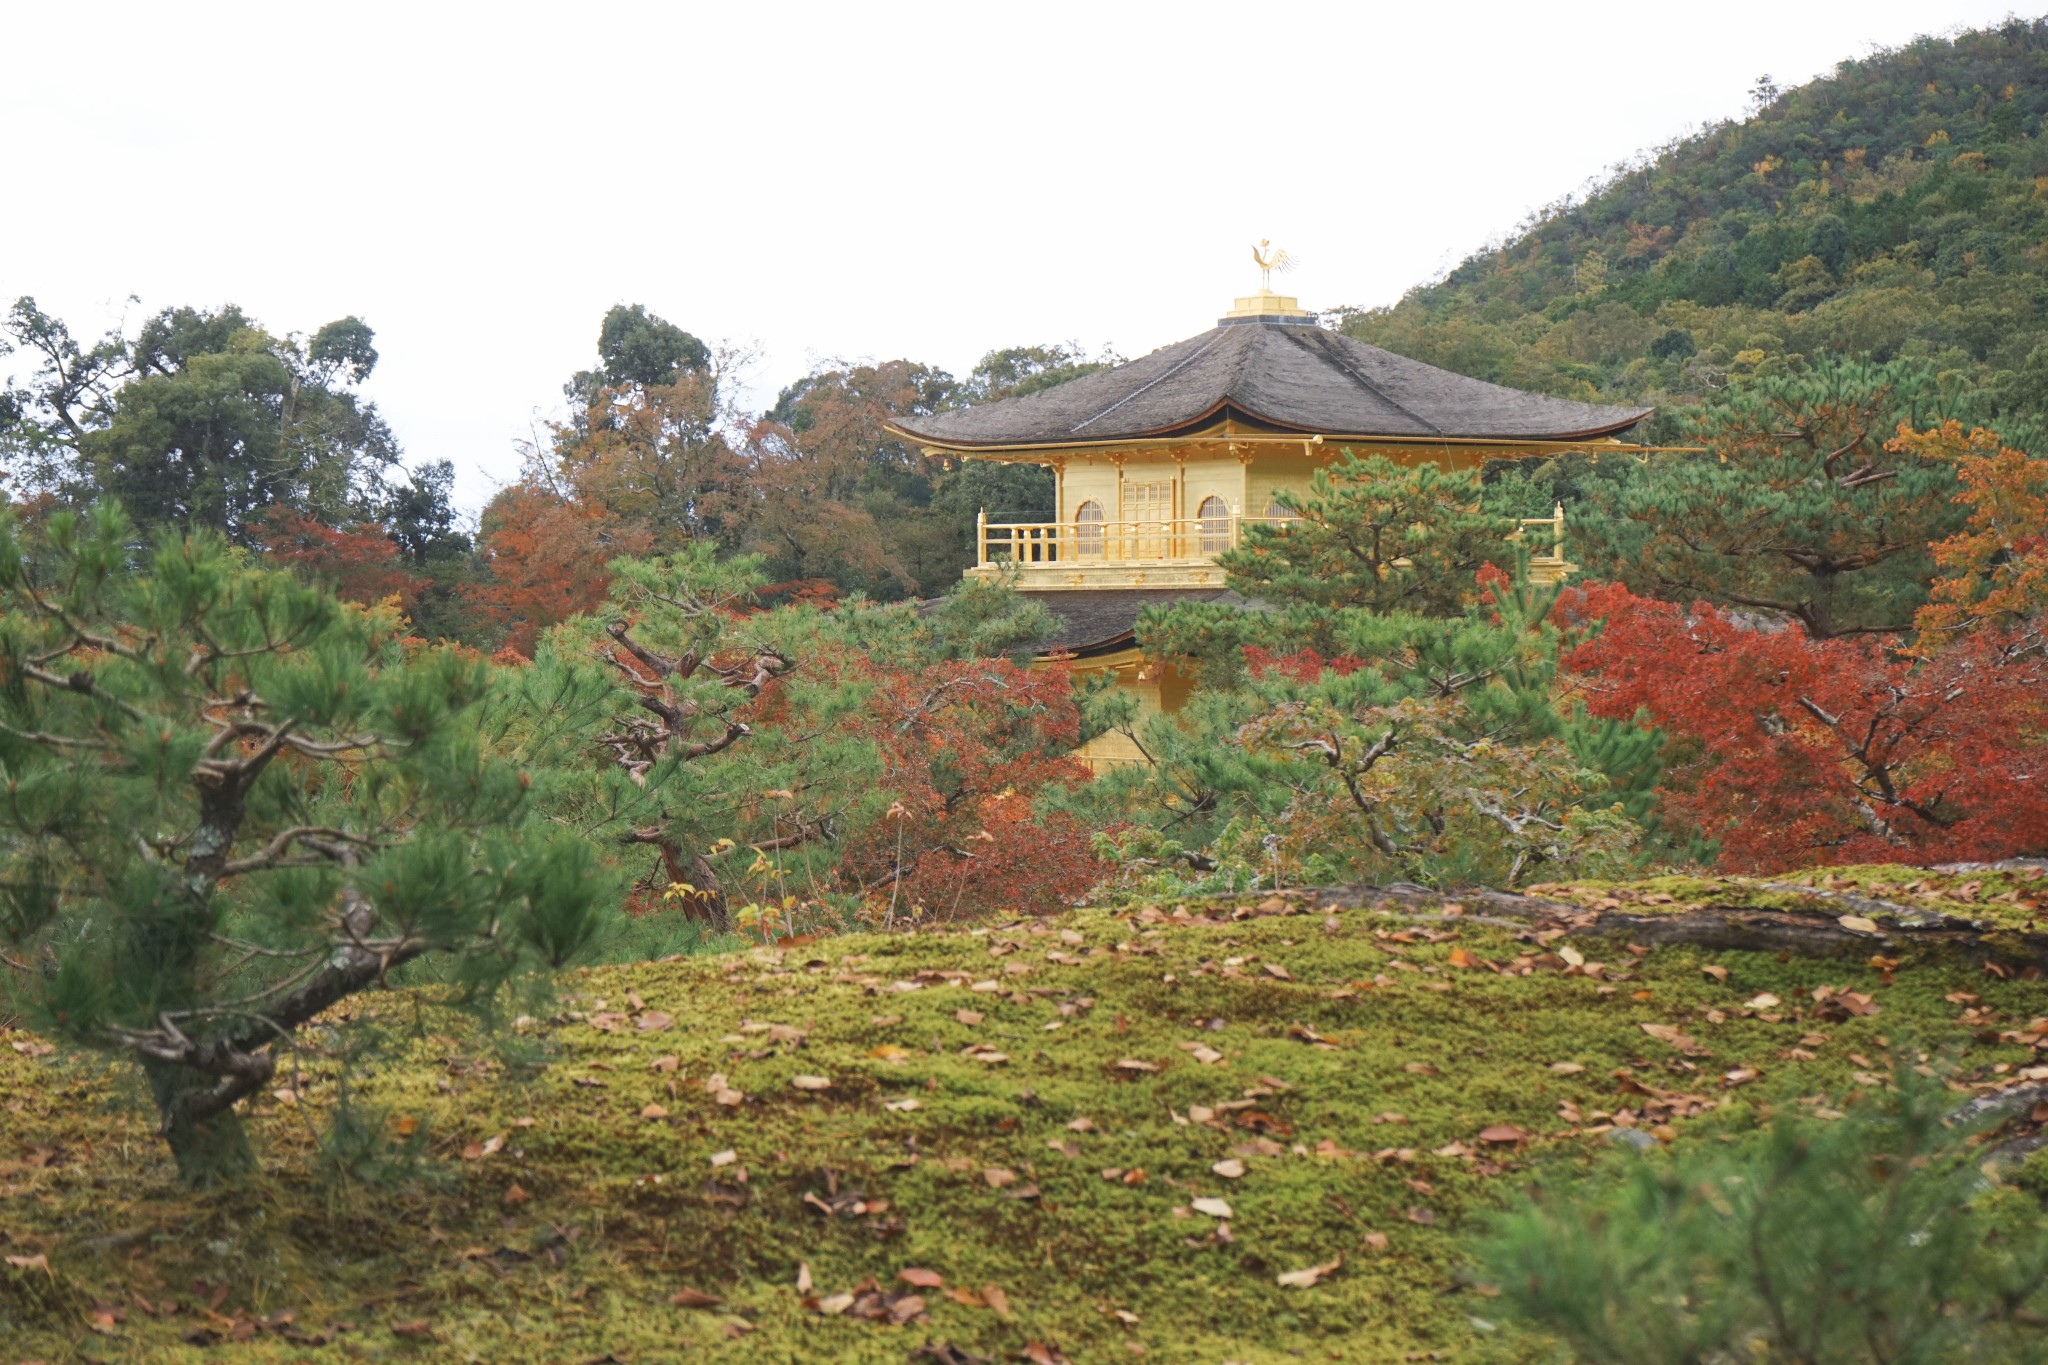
1284 379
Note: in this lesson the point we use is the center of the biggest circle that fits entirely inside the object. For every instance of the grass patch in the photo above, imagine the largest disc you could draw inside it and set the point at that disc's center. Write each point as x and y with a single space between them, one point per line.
557 1209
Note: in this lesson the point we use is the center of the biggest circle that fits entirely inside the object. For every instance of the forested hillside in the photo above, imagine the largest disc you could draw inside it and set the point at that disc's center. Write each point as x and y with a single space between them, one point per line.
1896 209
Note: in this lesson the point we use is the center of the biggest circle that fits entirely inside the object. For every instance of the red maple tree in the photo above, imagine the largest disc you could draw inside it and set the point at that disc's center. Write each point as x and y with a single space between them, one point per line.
967 746
360 562
1790 750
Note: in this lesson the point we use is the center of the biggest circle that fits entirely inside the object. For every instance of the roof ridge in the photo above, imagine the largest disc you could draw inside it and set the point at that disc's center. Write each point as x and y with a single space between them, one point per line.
1156 379
1335 356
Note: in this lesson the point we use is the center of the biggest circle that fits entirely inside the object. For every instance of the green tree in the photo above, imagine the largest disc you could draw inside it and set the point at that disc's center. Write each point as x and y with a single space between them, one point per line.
1419 748
1014 370
1866 1238
635 348
234 802
206 420
1800 505
1373 534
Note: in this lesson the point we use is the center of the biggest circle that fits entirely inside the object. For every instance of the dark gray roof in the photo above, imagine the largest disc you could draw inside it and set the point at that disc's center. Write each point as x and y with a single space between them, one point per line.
1096 621
1296 378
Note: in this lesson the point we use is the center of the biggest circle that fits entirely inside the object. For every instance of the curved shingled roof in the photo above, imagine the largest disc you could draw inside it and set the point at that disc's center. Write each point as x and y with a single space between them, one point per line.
1286 375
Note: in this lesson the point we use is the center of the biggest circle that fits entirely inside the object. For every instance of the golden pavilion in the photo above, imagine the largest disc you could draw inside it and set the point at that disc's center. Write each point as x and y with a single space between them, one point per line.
1160 463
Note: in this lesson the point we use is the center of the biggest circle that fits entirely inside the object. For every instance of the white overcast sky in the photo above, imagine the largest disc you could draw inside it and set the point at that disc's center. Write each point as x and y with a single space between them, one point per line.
480 182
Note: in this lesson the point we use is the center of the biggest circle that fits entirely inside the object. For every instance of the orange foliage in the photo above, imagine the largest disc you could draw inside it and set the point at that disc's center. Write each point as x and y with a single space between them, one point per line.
1995 570
546 561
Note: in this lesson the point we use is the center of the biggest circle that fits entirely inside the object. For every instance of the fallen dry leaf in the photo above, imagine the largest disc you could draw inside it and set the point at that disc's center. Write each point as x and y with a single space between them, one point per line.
724 1158
1502 1132
968 1017
921 1278
1133 1064
1230 1168
1215 1208
653 1111
516 1194
1277 972
654 1021
1306 1279
996 1299
1858 924
694 1298
810 1082
997 1177
1566 1068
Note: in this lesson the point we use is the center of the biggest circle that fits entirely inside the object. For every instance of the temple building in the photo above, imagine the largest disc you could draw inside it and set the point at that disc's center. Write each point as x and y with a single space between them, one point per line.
1160 463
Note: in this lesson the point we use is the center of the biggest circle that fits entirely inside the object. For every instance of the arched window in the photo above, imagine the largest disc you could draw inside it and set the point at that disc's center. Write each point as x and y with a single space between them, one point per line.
1275 512
1088 537
1214 515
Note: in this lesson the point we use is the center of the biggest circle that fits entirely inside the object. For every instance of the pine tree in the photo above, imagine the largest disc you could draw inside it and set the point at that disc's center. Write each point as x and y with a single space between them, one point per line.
1371 533
1417 747
1866 1237
1803 506
234 802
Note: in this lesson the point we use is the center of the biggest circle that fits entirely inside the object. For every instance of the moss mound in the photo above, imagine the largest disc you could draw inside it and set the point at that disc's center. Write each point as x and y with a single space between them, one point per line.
1106 1137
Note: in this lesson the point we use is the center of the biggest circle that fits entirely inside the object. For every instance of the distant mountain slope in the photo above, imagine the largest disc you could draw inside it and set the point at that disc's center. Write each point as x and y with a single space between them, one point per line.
1896 208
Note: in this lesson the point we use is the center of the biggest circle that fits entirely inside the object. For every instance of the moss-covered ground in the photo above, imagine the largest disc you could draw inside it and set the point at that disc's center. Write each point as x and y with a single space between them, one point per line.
1033 1107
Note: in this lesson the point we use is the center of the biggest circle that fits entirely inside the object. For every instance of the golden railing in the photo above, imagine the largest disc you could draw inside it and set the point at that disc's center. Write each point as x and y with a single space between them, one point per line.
1190 540
1183 539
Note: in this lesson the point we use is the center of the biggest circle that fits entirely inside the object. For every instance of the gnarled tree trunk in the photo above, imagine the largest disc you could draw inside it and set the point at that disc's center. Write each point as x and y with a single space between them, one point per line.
209 1151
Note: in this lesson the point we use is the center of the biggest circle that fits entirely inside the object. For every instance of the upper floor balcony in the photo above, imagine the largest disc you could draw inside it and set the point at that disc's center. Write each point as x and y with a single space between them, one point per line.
1095 553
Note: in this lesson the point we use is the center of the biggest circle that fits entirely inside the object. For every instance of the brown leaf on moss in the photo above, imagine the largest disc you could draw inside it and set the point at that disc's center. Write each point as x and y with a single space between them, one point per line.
694 1298
918 1277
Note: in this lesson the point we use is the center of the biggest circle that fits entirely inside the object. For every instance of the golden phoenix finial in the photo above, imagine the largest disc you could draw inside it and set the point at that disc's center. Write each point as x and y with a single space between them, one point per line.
1271 258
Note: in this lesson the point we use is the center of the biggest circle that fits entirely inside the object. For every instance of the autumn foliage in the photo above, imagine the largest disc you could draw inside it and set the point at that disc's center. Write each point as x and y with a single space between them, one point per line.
545 560
967 747
1995 570
360 562
1791 751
